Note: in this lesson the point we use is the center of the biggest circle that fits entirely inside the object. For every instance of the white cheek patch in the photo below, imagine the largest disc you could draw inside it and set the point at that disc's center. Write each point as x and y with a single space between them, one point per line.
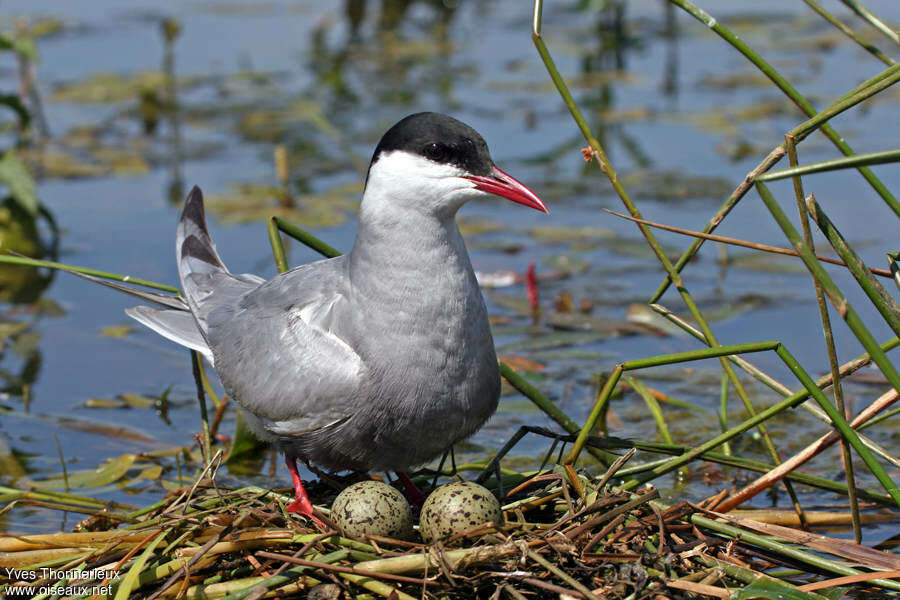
400 180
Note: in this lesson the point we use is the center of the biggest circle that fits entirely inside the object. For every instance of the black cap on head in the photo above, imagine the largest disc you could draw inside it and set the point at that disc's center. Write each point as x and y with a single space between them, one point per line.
439 138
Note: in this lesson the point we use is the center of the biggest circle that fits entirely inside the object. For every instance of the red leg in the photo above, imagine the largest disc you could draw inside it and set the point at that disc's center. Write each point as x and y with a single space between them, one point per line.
301 504
413 494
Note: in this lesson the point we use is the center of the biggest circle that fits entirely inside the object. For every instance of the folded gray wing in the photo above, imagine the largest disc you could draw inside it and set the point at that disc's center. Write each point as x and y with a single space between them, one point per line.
279 351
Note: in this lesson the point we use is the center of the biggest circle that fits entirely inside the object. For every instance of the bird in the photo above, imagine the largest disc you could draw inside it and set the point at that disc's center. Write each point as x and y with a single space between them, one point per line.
377 360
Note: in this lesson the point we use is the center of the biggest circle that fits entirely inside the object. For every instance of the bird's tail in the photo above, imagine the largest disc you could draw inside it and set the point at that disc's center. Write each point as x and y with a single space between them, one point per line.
198 261
205 281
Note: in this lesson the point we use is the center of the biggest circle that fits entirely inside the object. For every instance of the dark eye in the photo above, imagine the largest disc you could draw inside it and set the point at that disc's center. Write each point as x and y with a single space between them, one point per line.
436 152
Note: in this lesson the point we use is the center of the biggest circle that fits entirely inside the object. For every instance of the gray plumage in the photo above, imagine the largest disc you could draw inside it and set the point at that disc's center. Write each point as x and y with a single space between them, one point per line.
380 359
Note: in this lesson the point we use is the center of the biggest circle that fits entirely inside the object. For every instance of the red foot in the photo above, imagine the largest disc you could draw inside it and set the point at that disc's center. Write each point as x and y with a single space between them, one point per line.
301 504
413 494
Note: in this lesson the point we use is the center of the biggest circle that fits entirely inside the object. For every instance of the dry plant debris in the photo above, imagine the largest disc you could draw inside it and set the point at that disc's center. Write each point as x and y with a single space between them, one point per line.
565 536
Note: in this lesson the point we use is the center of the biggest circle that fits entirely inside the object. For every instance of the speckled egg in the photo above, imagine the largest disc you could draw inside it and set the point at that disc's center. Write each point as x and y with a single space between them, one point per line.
455 507
372 508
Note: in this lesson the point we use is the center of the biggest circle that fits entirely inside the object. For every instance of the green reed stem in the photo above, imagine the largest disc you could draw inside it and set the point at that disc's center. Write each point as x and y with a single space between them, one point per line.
606 166
655 361
201 399
776 154
549 408
872 158
33 262
837 388
887 78
653 407
598 409
130 581
277 246
882 301
882 417
540 400
785 550
837 419
866 15
306 238
723 409
856 325
756 466
8 494
62 462
840 26
288 575
831 290
847 368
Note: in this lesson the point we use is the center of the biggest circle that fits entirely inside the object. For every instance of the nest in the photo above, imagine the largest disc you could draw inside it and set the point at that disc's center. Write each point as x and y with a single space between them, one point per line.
565 536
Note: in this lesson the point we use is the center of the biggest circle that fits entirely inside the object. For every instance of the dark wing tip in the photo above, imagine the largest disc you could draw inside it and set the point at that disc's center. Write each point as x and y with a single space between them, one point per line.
193 209
193 248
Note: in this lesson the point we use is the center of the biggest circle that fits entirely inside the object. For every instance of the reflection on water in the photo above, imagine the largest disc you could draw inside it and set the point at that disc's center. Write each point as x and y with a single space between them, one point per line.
274 109
170 28
19 234
27 229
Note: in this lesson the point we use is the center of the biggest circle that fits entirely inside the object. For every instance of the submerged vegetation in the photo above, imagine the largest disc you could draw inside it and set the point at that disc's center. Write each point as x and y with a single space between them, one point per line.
670 519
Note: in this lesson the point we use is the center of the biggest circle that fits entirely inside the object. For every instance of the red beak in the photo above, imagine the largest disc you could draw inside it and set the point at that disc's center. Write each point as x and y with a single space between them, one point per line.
501 184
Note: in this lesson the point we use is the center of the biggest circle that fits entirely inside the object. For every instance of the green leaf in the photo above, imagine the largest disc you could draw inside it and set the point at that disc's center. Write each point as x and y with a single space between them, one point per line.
137 400
245 443
151 472
15 175
107 473
130 582
116 331
122 401
103 403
